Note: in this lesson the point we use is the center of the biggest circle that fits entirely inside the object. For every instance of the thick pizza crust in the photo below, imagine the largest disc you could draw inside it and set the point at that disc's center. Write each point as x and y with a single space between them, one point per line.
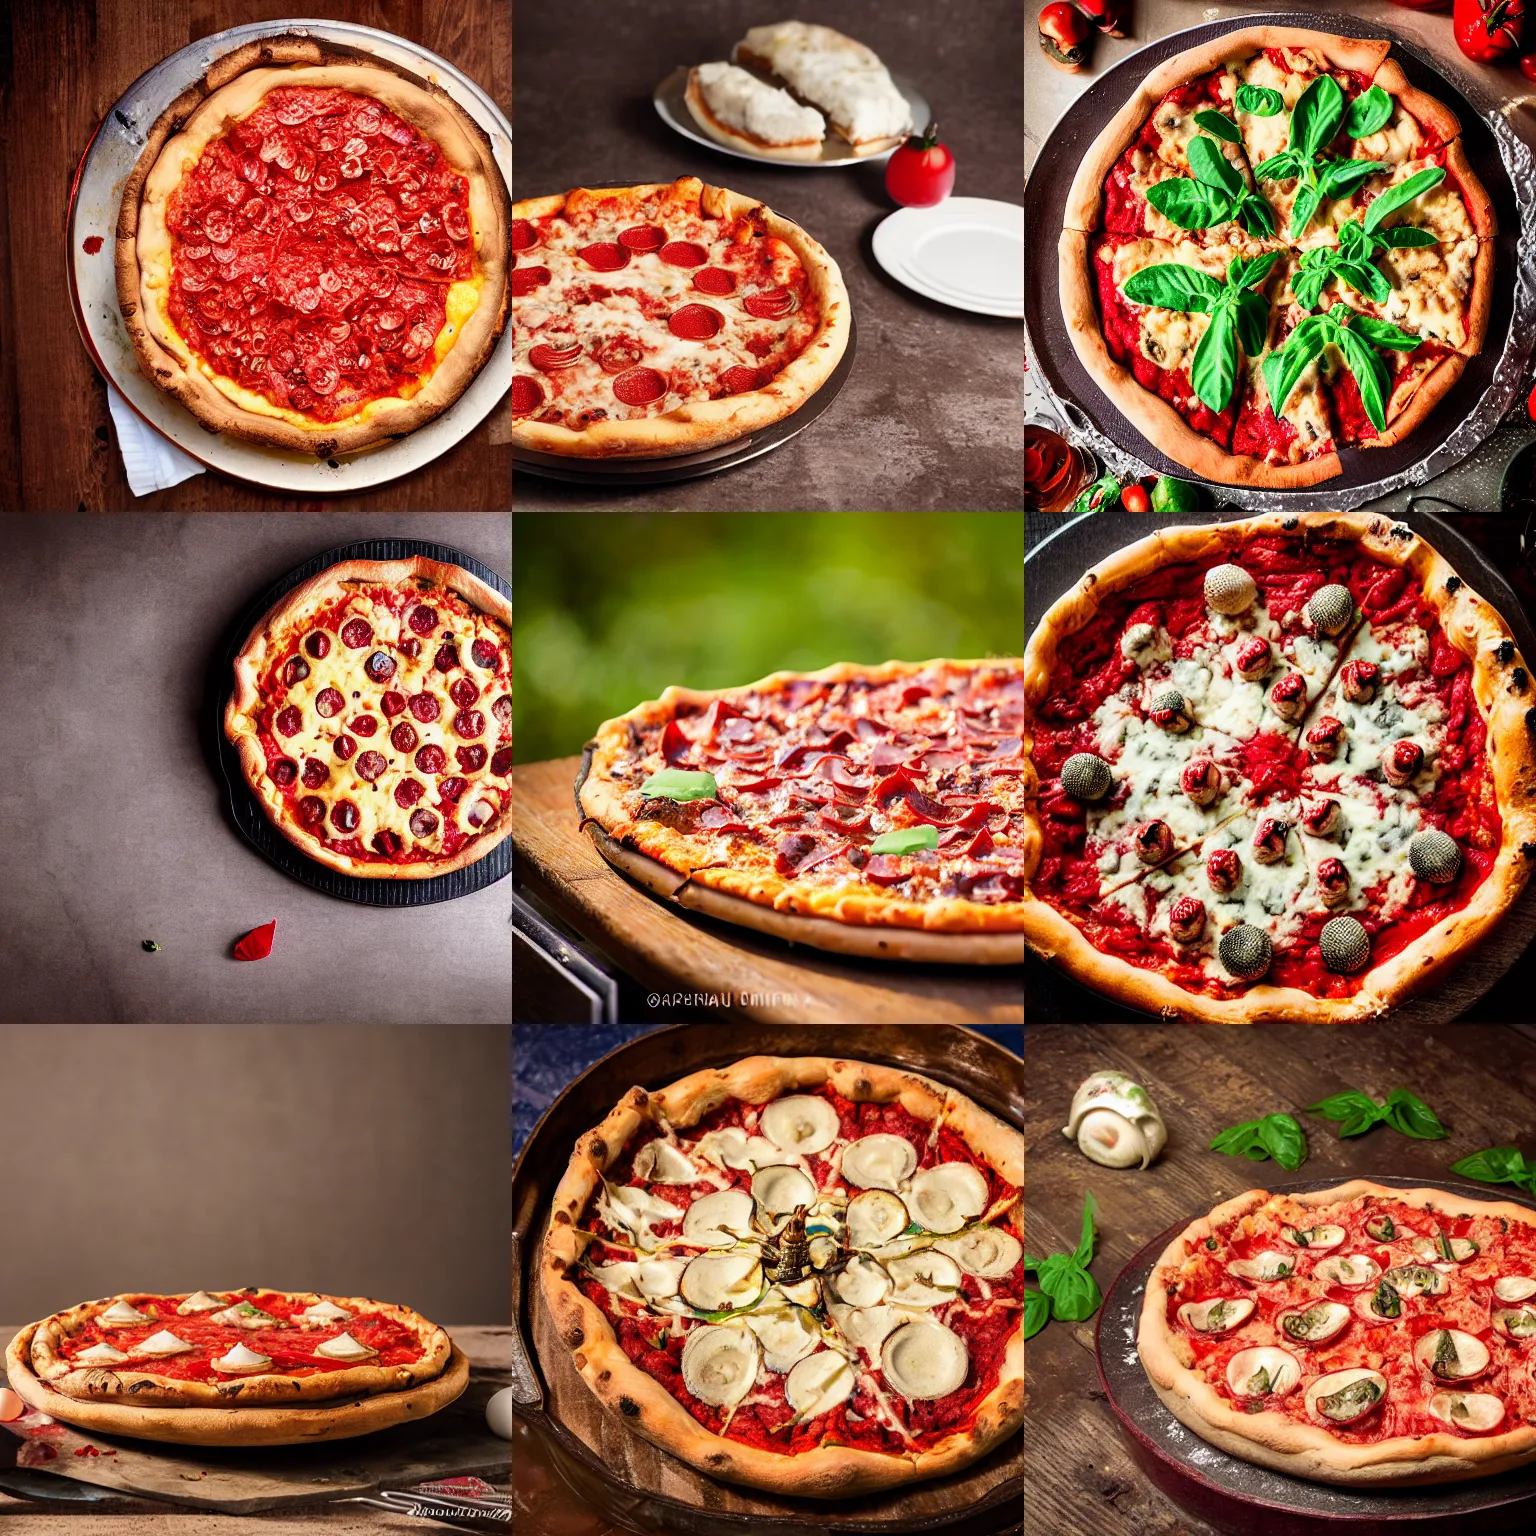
1504 693
703 424
233 87
242 714
1307 1450
120 1384
829 1472
600 797
735 138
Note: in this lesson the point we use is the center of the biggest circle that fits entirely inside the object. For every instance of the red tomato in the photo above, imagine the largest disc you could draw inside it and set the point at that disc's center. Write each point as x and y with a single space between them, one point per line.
1109 16
1488 30
1134 498
921 172
1064 34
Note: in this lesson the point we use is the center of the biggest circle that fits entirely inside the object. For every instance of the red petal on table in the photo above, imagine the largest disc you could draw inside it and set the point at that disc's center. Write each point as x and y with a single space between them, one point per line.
257 944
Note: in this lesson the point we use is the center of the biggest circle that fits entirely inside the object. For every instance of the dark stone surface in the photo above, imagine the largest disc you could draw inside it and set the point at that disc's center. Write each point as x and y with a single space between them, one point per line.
931 417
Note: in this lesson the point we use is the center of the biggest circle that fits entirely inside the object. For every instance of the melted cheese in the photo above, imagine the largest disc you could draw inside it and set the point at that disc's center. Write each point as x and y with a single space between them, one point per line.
1168 336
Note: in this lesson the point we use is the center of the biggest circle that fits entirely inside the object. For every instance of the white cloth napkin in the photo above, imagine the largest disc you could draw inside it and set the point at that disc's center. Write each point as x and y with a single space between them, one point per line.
152 462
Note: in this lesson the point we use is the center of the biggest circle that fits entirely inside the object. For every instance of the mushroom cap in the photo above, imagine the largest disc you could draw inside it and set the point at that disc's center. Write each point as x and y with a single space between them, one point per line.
1169 698
1434 856
1246 951
1086 776
1345 944
1330 608
1229 588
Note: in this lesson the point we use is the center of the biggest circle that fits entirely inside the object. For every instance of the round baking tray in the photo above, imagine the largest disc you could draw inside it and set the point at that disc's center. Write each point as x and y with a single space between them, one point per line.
1248 1500
670 100
1469 411
92 216
244 807
674 1499
1054 566
622 473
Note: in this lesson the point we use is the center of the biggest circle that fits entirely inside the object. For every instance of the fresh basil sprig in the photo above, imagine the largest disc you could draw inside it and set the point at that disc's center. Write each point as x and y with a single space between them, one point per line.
1238 314
1067 1291
1368 113
1315 119
1356 336
1259 100
1276 1136
1217 191
1499 1165
1357 1113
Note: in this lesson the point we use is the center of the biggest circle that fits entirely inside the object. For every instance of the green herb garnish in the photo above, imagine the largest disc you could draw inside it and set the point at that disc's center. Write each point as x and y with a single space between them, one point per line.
1067 1291
907 840
1357 1113
681 784
1276 1136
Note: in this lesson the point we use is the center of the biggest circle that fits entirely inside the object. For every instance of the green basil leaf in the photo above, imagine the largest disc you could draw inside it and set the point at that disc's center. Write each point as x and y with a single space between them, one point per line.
1258 218
680 784
1235 1139
906 840
1382 333
1283 369
1340 1106
1259 100
1493 1165
1408 1113
1365 279
1368 113
1401 194
1370 373
1084 1251
1249 274
1353 240
1341 176
1037 1310
1284 1140
1359 1123
1306 204
1403 235
1213 369
1074 1293
1252 315
1222 127
1212 168
1168 285
1308 283
1316 116
1281 167
1188 204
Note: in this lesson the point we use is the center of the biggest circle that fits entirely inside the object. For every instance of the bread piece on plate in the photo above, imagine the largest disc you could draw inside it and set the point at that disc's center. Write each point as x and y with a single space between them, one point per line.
742 112
842 77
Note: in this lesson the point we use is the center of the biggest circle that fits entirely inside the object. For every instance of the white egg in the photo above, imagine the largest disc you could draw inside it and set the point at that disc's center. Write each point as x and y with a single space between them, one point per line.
498 1413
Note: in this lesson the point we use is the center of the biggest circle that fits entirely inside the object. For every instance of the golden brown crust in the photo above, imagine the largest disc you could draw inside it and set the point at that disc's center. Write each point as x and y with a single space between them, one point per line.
1306 1450
242 722
1423 108
705 423
233 86
1414 398
1474 195
646 1406
1471 624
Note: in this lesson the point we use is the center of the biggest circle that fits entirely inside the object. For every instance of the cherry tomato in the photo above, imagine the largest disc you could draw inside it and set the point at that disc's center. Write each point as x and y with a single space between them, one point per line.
1134 498
1064 34
1488 31
922 171
1109 16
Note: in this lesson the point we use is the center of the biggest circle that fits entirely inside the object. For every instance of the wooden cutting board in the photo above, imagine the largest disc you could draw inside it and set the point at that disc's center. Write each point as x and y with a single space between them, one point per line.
453 1443
729 973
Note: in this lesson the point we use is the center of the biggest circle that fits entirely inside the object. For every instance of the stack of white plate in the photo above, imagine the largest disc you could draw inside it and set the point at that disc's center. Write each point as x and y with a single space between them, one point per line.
967 252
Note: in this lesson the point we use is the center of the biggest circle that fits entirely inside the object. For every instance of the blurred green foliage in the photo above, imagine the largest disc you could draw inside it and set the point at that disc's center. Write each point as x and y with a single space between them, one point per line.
610 608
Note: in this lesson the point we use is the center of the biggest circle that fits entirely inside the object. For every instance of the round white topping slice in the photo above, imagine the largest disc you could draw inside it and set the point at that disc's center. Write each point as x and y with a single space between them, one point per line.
323 1313
241 1361
201 1301
719 1220
1263 1372
717 1282
787 1335
1514 1288
732 1147
1444 1250
1353 1271
989 1252
244 1314
1448 1354
345 1347
1473 1412
635 1209
656 1279
1267 1266
819 1383
121 1315
1517 1323
1221 1315
1314 1239
867 1328
944 1198
100 1354
925 1361
875 1217
801 1124
862 1282
1341 1397
1415 1280
1320 1323
880 1161
779 1191
720 1365
924 1279
163 1343
659 1162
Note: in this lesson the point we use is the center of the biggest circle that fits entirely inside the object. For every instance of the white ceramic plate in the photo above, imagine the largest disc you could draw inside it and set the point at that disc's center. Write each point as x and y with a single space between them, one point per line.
967 252
107 161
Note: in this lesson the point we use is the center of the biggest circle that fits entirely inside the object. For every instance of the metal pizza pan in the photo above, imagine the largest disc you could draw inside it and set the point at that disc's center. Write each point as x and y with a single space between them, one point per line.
91 225
1244 1499
1057 562
245 809
1468 413
626 1478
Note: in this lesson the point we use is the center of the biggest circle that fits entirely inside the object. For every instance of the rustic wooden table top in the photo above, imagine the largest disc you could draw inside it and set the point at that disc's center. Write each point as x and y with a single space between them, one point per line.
723 972
62 65
1480 1080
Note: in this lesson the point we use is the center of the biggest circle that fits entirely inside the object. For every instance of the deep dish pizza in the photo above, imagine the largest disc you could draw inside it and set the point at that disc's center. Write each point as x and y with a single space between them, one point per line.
659 319
1277 250
1360 1334
372 712
313 248
878 810
1282 768
800 1274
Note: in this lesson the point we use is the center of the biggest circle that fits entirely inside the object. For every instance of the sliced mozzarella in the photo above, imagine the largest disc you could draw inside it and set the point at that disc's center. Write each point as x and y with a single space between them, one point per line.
100 1354
819 1383
986 1252
880 1161
1415 1280
1267 1266
1320 1323
944 1198
717 1282
786 1334
1263 1372
659 1162
164 1343
1341 1397
200 1301
1433 1250
1517 1323
867 1328
801 1124
719 1220
1448 1354
720 1365
345 1347
875 1217
1314 1239
121 1314
635 1211
241 1361
733 1147
323 1313
243 1315
779 1191
1473 1412
1514 1288
924 1279
1220 1315
823 1252
1352 1271
618 1279
925 1361
862 1282
657 1279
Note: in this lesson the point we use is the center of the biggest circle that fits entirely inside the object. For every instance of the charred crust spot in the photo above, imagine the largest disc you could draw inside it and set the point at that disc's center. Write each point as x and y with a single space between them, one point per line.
1453 584
575 1336
598 1147
1518 680
140 1386
1530 721
1505 651
862 1086
718 1459
1290 524
561 1219
604 1375
1528 850
629 1408
1400 532
326 447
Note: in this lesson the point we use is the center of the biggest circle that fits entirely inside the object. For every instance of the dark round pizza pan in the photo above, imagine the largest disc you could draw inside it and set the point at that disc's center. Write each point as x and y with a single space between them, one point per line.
986 1499
1249 1500
1366 473
245 809
1055 564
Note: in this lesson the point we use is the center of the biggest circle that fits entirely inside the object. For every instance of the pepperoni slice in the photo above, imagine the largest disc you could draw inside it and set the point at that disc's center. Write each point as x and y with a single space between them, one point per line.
364 725
640 386
315 773
318 645
527 395
423 619
771 304
471 759
392 704
741 380
695 322
329 702
451 791
463 692
604 256
404 738
524 236
526 280
310 811
408 792
485 654
431 759
295 670
447 658
620 354
715 281
370 765
290 721
356 633
380 666
409 647
387 843
425 708
684 253
548 359
283 772
345 816
642 239
502 709
423 824
469 723
501 763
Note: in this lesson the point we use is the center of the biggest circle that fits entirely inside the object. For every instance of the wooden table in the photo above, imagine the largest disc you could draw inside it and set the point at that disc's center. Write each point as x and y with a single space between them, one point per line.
64 66
713 971
1480 1080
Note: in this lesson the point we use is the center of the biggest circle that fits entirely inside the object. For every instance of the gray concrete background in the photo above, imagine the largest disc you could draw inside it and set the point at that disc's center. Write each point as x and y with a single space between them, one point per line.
113 821
930 418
